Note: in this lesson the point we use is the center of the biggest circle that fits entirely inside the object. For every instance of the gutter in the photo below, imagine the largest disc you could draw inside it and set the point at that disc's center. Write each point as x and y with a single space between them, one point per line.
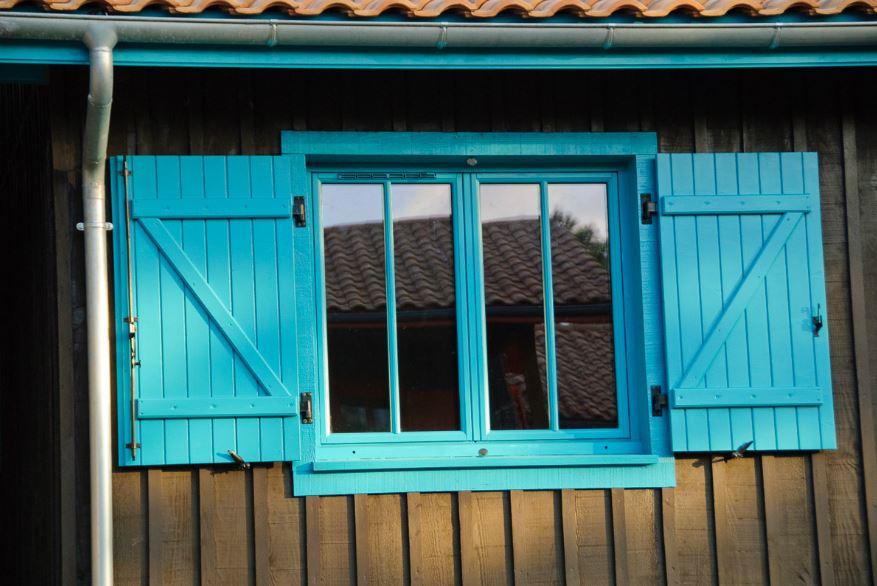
441 35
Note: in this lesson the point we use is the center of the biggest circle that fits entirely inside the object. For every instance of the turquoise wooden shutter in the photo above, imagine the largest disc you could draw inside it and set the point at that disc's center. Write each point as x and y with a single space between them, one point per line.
214 291
743 290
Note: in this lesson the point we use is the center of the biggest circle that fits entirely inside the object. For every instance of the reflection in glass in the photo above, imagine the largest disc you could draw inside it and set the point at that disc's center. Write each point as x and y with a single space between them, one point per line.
511 243
584 346
423 246
356 307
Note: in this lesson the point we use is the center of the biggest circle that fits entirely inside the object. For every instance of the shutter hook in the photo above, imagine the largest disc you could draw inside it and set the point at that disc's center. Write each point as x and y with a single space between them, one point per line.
817 321
242 464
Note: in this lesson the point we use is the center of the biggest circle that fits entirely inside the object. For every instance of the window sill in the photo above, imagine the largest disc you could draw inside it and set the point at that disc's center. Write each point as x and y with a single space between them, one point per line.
483 462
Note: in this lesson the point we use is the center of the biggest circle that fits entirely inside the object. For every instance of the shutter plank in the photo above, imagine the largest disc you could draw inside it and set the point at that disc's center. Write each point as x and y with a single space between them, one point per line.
194 239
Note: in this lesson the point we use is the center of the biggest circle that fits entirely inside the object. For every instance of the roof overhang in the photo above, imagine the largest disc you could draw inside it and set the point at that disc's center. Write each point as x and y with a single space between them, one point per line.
237 42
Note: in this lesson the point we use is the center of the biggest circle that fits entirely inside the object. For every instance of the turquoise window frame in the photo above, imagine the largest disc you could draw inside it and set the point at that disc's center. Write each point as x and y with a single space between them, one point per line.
395 435
428 461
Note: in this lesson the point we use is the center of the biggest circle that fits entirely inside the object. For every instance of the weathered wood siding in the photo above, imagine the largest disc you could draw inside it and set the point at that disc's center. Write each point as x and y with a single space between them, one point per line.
776 519
29 434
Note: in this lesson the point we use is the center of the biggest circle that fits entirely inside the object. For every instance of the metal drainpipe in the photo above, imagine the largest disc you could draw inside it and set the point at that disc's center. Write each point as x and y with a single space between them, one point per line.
100 42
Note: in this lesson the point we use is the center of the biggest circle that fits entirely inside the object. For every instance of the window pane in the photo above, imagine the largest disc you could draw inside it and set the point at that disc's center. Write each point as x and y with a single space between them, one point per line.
511 240
423 244
356 307
584 346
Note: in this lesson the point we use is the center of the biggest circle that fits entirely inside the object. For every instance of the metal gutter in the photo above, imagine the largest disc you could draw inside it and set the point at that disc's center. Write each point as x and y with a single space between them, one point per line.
442 35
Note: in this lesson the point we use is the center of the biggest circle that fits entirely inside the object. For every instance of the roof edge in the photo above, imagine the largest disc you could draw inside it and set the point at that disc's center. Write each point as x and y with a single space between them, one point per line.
441 36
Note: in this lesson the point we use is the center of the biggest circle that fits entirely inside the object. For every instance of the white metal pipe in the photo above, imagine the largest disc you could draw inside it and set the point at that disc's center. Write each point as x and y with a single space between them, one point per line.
100 42
440 35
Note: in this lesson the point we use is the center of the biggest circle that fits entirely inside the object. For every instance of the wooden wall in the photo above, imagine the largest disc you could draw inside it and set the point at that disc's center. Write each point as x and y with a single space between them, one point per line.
28 409
777 519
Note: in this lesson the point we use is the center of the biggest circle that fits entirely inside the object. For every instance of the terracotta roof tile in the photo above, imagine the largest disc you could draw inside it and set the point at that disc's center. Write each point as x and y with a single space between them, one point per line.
425 266
473 8
586 388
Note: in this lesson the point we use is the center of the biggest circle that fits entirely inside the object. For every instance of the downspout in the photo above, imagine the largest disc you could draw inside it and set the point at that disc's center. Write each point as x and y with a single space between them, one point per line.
100 41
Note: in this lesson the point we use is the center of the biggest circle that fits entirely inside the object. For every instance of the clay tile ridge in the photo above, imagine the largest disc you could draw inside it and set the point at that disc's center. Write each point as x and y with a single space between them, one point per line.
473 8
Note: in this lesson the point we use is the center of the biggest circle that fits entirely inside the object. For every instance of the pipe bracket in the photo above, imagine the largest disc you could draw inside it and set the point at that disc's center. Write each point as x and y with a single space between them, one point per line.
81 226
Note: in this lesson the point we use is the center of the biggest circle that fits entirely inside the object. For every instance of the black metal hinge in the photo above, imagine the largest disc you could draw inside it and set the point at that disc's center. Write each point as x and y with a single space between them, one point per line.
649 208
298 211
659 401
306 408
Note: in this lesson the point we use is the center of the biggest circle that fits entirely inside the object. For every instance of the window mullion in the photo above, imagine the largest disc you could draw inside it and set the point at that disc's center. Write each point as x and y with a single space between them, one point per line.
392 341
478 391
548 306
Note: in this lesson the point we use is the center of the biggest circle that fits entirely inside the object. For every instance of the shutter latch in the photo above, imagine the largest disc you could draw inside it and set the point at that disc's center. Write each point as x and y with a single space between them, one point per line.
298 211
239 460
649 208
659 401
817 321
306 408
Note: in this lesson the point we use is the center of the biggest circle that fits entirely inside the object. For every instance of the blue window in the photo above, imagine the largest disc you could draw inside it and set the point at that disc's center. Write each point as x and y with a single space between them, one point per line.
434 311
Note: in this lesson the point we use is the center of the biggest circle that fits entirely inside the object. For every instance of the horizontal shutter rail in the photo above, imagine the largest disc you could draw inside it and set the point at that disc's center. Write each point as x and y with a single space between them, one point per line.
220 315
684 205
216 407
211 208
745 397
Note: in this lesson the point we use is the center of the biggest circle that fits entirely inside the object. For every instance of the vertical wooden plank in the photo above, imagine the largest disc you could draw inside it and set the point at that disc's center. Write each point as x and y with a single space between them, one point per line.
286 529
260 523
668 534
312 521
570 537
818 471
788 520
179 542
619 536
156 527
468 567
64 139
435 542
695 526
537 539
594 534
338 547
740 547
130 551
822 515
231 524
385 544
415 538
207 513
645 561
485 538
861 349
360 502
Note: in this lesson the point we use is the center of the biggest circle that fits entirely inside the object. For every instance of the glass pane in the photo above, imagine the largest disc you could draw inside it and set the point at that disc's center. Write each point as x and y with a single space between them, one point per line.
356 307
511 240
423 245
584 345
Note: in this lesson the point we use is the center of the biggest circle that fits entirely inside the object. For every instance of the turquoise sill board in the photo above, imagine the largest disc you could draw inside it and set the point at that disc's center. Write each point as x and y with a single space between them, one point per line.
659 474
